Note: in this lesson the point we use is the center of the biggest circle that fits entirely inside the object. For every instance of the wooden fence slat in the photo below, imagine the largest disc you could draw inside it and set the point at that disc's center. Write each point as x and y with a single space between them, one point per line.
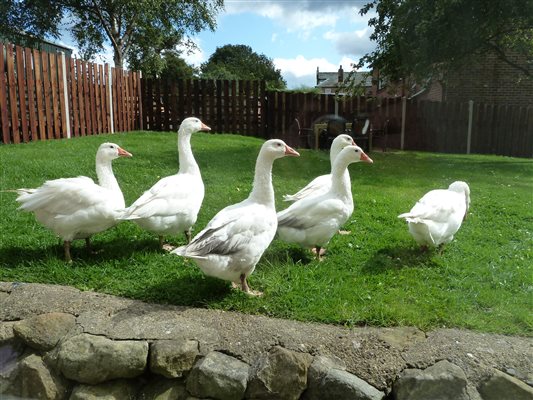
92 95
98 98
103 98
127 100
81 97
21 82
86 98
3 98
12 94
31 94
54 89
62 103
39 97
74 99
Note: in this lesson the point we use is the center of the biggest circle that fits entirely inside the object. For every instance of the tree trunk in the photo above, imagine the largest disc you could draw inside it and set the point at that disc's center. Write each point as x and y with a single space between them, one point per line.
117 58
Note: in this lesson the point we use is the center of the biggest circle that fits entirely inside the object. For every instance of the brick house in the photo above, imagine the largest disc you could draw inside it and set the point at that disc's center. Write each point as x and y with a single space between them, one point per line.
329 82
488 80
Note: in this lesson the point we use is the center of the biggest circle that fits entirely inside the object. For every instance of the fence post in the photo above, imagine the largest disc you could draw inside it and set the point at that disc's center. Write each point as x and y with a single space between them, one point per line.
110 87
65 94
404 112
469 133
139 92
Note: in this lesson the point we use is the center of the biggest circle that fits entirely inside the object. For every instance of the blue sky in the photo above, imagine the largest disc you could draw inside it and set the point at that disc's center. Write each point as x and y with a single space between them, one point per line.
298 35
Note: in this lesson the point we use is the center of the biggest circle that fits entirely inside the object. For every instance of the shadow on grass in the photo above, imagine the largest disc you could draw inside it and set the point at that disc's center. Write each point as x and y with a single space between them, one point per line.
286 253
121 249
189 290
399 257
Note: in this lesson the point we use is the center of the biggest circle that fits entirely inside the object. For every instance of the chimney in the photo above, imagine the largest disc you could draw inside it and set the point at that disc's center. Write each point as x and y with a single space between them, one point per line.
341 74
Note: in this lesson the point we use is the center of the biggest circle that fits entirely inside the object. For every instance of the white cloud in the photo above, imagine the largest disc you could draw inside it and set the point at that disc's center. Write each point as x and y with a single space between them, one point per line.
193 57
295 16
355 43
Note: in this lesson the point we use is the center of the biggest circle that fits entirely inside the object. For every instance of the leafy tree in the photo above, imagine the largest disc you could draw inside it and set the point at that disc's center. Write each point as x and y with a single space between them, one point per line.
425 39
149 26
177 68
241 62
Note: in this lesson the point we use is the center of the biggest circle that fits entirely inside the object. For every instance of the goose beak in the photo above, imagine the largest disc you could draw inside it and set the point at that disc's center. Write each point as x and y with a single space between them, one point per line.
289 151
205 128
353 142
365 158
124 153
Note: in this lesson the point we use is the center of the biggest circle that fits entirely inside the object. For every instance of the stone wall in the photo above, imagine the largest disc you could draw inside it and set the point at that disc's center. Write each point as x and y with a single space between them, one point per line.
60 343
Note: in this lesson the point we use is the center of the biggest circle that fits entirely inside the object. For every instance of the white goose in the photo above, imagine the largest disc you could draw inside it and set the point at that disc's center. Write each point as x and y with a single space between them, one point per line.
312 221
76 208
234 240
322 183
172 204
438 215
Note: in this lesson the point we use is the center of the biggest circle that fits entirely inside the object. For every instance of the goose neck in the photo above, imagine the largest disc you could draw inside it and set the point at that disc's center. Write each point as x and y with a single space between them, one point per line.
187 163
106 178
262 191
340 178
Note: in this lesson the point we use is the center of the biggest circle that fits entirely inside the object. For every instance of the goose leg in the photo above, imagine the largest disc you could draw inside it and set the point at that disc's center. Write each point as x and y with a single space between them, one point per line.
246 289
319 252
66 247
188 235
88 245
161 241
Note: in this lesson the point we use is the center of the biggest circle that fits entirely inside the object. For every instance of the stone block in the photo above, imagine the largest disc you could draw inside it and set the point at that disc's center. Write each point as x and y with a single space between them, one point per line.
163 389
328 380
44 331
442 381
94 359
503 386
172 358
36 381
218 376
119 389
279 374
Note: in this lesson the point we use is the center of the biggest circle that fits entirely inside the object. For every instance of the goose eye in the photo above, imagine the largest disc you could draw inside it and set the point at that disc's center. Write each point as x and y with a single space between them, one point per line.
357 151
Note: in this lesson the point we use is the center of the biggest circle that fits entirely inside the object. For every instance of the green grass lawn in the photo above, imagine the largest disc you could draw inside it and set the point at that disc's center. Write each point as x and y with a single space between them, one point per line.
374 276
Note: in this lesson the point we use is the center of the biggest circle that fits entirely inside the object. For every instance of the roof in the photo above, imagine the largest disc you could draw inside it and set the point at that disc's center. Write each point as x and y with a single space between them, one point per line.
331 79
26 40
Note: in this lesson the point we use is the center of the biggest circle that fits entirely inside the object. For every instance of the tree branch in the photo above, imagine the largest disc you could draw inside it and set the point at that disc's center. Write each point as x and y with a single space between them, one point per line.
503 57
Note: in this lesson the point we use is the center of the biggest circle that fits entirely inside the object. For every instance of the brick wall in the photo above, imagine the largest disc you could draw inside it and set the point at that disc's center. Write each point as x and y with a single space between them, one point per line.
491 81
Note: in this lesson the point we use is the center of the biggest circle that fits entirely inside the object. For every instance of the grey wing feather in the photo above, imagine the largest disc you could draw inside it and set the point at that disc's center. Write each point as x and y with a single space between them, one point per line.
214 241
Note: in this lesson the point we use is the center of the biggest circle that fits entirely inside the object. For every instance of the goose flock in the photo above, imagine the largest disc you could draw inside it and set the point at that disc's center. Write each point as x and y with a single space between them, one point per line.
232 243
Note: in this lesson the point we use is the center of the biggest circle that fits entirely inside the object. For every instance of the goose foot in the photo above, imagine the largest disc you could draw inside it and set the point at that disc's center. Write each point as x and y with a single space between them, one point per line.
90 248
318 252
167 247
245 288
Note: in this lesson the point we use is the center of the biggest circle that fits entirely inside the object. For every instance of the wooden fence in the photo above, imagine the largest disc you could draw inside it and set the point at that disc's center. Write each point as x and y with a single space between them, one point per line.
246 108
47 96
226 106
469 128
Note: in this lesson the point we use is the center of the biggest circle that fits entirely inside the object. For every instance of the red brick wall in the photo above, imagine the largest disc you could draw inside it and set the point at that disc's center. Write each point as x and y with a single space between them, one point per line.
490 81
